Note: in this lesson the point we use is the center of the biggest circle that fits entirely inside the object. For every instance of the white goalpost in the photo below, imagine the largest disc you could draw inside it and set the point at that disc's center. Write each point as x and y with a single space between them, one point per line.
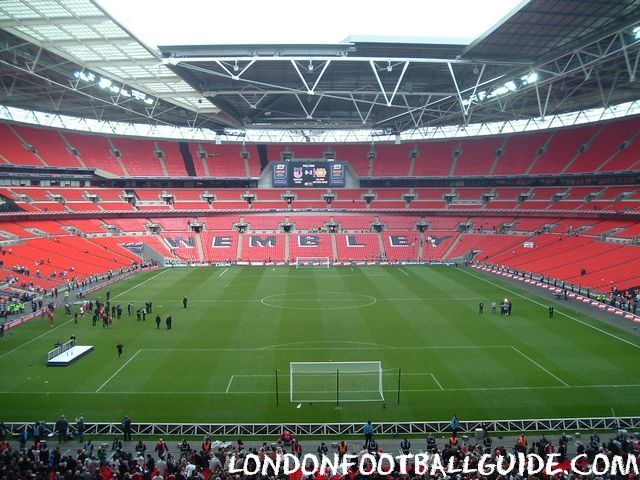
335 382
313 262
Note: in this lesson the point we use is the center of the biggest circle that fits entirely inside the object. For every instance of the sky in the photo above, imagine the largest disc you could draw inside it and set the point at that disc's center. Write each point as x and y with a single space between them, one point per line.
160 22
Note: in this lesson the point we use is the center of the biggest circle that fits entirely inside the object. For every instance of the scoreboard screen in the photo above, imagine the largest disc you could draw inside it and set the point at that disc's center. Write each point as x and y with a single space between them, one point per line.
309 174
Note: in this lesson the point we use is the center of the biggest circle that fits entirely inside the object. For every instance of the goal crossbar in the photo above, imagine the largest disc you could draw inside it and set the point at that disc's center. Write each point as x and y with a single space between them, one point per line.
322 262
335 382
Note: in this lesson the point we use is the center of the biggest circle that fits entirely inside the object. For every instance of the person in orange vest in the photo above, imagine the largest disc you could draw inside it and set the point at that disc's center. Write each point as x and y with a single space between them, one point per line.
342 449
296 447
206 445
161 448
522 443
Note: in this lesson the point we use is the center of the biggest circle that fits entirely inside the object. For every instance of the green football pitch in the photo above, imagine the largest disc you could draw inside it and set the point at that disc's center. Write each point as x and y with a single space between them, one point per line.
218 363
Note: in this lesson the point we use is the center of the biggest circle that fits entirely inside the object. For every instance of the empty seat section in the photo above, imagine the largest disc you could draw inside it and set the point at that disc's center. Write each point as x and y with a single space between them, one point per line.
173 224
390 193
604 146
358 246
388 204
626 159
265 222
477 156
501 204
357 156
471 193
435 159
116 206
562 149
533 224
83 206
182 244
220 246
128 224
13 150
50 227
485 246
310 245
392 160
173 160
436 244
445 223
428 204
120 243
139 157
400 222
95 152
219 222
519 153
50 146
354 222
431 193
224 160
309 222
348 204
263 247
85 225
400 245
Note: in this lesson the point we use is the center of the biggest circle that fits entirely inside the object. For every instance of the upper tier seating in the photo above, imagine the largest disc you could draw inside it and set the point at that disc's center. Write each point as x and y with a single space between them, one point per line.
392 160
477 156
138 157
14 151
563 147
50 146
219 161
435 159
519 152
95 152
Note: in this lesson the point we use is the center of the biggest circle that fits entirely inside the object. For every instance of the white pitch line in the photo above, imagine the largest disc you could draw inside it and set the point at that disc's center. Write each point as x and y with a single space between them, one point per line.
540 366
141 283
470 389
118 371
35 338
280 348
545 306
223 272
403 271
436 380
229 384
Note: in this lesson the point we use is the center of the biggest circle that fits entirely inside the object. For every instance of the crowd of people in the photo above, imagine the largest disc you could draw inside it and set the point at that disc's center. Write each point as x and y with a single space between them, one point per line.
211 460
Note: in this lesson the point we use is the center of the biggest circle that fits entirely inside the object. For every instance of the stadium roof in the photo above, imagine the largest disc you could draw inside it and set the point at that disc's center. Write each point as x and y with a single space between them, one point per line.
545 58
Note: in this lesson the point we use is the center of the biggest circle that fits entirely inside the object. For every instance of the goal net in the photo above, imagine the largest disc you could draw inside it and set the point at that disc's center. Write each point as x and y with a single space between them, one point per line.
317 262
335 381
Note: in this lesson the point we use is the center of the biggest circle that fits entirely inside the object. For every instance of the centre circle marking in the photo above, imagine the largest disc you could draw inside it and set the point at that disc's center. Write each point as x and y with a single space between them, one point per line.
278 300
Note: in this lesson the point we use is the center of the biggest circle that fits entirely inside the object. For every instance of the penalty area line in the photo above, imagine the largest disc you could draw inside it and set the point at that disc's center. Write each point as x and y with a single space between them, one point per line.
141 283
229 384
540 366
545 306
118 371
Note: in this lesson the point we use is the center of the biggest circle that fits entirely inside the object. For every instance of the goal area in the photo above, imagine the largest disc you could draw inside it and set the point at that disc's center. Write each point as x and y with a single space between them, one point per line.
335 382
312 262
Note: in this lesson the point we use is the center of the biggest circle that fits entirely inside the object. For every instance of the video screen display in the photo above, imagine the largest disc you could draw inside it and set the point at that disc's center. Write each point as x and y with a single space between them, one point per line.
309 174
